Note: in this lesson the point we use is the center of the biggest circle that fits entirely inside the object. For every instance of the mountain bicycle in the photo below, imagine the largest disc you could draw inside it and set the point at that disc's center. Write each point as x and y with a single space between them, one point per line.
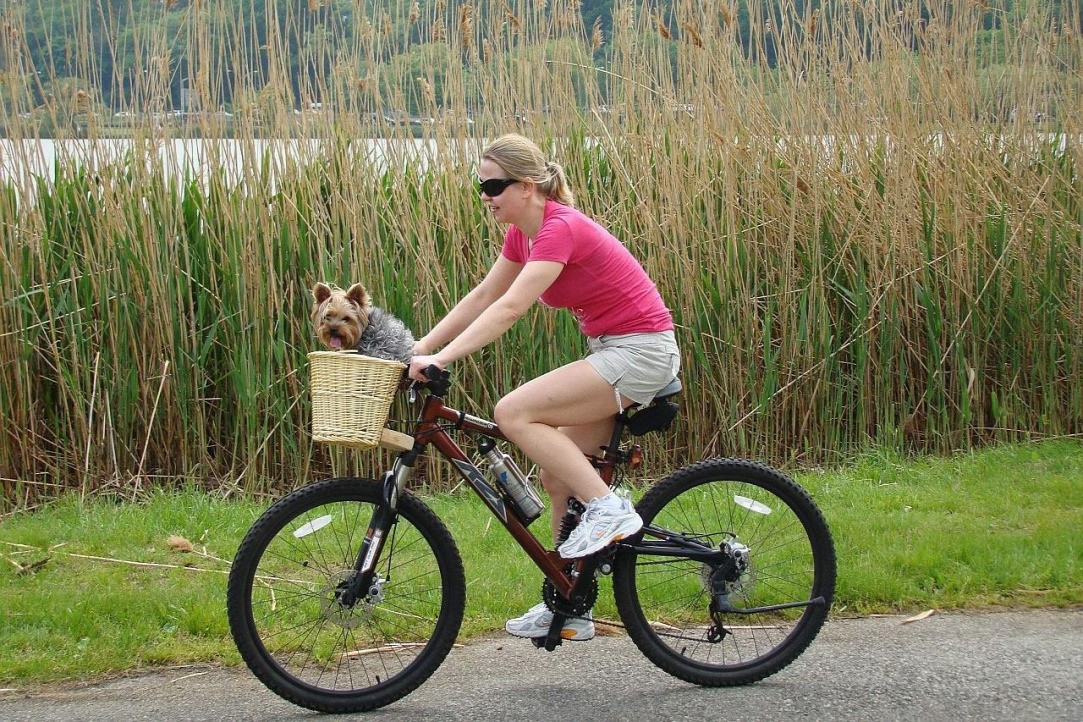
347 594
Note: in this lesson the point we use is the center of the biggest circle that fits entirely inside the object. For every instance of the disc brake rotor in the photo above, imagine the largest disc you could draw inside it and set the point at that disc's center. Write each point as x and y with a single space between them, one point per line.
715 581
349 617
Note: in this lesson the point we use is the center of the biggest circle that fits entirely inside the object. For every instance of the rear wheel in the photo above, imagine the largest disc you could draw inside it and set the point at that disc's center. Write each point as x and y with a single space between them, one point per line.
690 617
284 606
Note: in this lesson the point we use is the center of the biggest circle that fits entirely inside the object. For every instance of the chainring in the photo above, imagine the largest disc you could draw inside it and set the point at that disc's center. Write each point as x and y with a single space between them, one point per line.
559 605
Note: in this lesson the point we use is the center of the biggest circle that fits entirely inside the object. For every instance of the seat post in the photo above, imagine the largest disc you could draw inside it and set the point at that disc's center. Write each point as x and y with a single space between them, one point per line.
618 432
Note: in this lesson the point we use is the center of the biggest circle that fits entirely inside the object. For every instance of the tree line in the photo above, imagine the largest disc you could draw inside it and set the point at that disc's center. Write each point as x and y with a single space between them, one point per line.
152 54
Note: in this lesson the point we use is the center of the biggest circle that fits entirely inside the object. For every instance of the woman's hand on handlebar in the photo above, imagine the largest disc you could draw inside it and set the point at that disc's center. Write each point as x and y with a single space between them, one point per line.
418 365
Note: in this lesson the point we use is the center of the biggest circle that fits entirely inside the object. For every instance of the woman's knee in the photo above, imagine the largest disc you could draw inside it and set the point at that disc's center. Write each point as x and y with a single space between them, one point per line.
508 413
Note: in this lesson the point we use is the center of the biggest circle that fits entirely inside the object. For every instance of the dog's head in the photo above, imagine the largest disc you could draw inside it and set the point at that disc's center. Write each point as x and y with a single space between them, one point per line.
340 316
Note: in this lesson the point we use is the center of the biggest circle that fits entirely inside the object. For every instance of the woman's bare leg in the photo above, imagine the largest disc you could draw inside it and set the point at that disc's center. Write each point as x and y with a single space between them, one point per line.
539 418
588 438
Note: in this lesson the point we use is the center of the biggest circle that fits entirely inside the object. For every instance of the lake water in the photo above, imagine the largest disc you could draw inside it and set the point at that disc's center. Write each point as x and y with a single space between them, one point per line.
24 162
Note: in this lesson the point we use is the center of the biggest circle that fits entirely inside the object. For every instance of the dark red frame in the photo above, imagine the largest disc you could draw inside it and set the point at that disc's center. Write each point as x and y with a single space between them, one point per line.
430 430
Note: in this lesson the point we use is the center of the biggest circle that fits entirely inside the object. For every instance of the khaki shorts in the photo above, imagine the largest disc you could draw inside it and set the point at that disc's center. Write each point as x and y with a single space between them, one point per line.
637 365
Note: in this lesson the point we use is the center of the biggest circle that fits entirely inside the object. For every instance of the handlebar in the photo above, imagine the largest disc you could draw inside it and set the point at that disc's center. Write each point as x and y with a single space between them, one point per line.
439 381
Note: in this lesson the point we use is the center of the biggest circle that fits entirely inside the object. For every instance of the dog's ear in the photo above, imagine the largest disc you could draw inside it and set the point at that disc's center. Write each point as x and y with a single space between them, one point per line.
358 295
321 292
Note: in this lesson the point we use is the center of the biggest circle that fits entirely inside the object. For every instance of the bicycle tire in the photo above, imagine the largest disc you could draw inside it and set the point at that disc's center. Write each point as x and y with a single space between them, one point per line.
664 601
311 650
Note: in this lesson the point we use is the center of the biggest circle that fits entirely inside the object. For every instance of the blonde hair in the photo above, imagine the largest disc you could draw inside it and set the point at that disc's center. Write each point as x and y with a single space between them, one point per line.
522 159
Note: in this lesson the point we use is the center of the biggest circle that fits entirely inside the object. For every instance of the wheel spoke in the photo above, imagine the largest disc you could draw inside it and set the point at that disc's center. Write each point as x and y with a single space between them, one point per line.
297 636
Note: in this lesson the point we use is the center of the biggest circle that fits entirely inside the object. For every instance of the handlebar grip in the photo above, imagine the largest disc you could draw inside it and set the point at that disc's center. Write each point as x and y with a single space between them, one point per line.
435 373
439 380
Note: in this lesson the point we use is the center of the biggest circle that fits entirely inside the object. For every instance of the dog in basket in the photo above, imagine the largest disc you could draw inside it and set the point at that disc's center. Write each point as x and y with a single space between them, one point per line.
348 320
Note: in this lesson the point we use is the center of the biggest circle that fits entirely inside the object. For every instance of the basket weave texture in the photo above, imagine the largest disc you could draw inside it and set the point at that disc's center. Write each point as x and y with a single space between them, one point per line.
351 396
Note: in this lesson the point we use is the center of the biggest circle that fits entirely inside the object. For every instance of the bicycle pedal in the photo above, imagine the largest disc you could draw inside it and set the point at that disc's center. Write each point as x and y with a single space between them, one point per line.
539 643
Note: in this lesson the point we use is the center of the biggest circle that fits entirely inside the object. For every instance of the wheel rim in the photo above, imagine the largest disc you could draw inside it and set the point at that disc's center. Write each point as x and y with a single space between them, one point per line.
309 635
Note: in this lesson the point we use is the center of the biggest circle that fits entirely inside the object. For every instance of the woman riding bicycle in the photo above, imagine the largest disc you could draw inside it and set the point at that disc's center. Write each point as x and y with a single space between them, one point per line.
556 254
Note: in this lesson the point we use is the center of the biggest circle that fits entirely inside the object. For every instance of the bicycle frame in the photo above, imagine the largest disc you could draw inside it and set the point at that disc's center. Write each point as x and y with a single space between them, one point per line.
431 430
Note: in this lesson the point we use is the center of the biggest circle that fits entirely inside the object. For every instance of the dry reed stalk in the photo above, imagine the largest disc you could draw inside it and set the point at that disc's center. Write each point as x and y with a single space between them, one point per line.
511 16
844 226
466 27
662 27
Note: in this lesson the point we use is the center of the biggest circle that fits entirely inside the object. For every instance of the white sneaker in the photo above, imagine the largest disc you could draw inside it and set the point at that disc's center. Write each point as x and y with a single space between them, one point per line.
600 526
535 623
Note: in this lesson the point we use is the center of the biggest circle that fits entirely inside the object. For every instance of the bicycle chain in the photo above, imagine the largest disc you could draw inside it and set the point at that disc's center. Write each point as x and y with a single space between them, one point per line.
559 605
553 600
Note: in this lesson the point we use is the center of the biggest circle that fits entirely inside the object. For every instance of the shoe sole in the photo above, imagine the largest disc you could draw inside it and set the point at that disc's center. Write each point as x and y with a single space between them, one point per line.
597 547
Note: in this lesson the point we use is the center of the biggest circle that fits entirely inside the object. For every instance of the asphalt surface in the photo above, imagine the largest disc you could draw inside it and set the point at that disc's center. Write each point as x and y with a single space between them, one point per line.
996 666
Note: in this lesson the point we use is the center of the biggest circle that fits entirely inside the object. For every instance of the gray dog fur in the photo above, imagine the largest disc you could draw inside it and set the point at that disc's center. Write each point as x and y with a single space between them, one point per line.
386 337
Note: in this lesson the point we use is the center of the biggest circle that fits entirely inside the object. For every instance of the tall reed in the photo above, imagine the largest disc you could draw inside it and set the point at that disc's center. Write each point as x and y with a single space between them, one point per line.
868 224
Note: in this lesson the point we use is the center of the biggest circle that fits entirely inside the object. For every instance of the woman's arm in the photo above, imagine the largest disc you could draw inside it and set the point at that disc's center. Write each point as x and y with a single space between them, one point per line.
496 318
495 284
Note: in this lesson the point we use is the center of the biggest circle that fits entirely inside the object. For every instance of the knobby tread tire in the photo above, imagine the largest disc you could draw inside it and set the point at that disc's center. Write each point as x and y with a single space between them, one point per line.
823 584
246 562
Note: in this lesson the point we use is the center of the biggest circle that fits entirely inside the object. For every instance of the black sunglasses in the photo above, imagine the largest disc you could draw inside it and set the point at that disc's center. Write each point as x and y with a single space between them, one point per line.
494 186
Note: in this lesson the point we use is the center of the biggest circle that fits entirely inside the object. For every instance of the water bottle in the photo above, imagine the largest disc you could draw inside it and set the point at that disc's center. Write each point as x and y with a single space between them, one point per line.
520 494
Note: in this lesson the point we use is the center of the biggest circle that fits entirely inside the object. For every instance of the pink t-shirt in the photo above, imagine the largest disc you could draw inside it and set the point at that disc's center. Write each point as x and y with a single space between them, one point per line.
602 283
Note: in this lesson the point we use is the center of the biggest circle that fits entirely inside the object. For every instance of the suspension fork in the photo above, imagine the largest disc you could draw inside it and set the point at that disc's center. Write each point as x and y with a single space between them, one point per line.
383 519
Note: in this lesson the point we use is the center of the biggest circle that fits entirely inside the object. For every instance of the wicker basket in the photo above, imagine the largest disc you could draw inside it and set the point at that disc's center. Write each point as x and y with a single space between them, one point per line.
351 396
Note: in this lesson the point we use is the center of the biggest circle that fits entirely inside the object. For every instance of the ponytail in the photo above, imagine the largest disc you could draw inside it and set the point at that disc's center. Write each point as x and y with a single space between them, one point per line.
556 185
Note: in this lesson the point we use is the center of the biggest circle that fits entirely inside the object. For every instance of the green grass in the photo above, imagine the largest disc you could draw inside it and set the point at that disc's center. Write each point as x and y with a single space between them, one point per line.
982 529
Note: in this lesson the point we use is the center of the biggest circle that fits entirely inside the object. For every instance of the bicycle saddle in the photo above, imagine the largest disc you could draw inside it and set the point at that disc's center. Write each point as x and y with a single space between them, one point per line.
671 389
659 414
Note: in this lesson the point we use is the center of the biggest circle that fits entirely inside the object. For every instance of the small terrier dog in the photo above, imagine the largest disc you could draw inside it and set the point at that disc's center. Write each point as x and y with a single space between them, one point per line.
347 319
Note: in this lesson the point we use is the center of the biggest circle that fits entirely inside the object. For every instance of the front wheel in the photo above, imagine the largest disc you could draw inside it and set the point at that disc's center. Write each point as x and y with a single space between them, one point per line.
757 591
286 613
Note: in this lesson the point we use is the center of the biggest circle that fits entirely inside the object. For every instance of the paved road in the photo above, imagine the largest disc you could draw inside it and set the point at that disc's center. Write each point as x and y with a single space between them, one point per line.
1003 666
